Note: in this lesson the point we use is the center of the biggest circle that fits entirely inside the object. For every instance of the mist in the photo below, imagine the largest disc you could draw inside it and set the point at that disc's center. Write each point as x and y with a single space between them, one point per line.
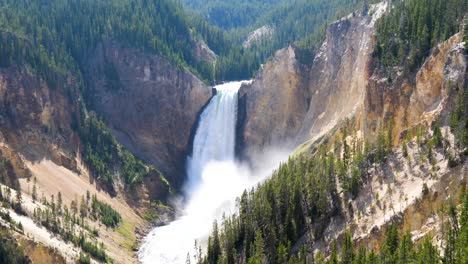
215 180
221 183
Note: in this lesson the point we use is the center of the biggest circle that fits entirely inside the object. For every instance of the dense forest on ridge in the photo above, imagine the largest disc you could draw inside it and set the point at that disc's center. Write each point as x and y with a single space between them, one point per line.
303 194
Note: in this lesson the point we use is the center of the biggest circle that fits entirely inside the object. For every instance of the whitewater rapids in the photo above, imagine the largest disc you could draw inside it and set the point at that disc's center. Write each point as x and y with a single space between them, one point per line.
215 179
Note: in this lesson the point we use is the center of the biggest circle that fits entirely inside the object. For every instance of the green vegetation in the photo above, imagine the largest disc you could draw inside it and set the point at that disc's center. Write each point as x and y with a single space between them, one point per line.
55 38
301 23
70 223
406 36
10 252
107 215
397 247
64 222
54 35
126 229
459 116
107 157
233 14
7 175
303 192
296 203
84 259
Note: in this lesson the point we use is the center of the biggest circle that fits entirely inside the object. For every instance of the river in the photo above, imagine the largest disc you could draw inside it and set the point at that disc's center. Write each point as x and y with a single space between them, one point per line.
214 180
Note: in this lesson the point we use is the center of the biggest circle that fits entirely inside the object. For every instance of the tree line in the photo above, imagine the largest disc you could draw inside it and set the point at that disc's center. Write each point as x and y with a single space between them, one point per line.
293 207
296 203
406 35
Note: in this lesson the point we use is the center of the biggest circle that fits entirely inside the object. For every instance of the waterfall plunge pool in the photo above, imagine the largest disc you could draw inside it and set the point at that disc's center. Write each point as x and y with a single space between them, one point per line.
215 179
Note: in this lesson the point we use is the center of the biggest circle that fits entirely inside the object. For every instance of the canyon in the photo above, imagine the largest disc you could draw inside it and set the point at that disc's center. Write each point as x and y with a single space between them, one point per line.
166 116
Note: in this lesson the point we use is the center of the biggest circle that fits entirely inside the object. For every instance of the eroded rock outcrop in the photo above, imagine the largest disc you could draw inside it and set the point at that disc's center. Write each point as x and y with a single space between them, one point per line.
273 107
37 120
346 81
289 102
151 106
338 77
406 103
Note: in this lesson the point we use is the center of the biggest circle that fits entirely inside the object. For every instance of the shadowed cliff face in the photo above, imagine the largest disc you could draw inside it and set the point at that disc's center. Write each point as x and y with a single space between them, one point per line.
37 120
151 106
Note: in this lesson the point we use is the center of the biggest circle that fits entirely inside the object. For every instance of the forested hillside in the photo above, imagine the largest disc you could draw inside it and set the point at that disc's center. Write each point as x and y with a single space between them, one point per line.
54 39
101 100
406 36
280 220
286 218
162 27
297 22
233 14
61 34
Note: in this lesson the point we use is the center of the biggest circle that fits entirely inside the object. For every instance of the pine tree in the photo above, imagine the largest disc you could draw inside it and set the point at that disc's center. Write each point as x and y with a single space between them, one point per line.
88 197
74 207
19 197
83 208
361 256
52 204
428 253
334 253
438 139
405 149
59 203
214 247
391 245
259 252
347 254
8 194
372 258
346 154
450 247
405 250
282 254
461 254
34 192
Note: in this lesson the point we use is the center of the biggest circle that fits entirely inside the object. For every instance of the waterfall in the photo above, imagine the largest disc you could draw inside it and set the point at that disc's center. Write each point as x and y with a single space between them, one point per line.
214 180
216 134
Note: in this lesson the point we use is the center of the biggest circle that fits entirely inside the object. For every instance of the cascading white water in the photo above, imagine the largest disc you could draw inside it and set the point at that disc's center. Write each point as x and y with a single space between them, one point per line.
216 134
214 181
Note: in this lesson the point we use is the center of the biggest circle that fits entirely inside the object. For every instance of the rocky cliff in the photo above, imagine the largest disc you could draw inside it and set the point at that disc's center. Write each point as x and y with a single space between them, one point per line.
273 107
38 120
151 106
405 102
289 102
293 103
